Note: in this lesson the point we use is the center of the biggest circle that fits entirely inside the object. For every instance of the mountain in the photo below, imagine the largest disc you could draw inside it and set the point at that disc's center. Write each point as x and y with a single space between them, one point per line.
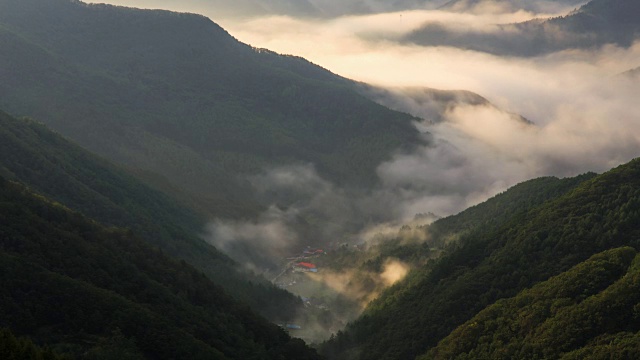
490 261
62 171
185 106
593 25
501 209
430 104
588 311
86 290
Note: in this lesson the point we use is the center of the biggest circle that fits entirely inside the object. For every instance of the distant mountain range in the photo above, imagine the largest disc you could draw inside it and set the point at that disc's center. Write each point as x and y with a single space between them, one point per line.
593 25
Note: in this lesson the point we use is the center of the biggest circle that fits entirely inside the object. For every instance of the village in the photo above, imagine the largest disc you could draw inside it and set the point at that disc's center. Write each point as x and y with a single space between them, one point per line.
293 277
299 263
310 273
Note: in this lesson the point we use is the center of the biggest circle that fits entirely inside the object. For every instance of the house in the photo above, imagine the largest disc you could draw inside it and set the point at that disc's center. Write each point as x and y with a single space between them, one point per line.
305 267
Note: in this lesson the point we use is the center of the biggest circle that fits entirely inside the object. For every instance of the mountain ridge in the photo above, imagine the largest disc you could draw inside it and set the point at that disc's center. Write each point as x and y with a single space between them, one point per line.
593 25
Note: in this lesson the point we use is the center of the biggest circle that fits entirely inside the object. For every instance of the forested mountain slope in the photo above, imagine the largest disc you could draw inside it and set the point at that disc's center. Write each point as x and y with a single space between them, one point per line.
417 245
68 174
496 262
177 99
501 208
90 291
24 349
589 311
593 25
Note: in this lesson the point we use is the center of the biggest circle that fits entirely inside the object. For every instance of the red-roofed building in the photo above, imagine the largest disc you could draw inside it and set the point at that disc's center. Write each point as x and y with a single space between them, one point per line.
305 266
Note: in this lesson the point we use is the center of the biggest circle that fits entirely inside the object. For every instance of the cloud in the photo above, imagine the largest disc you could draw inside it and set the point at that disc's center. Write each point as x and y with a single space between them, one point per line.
481 150
256 244
583 118
393 272
362 286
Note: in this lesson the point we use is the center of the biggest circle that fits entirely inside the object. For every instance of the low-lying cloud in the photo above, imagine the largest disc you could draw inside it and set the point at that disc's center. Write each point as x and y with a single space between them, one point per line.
361 286
307 210
583 116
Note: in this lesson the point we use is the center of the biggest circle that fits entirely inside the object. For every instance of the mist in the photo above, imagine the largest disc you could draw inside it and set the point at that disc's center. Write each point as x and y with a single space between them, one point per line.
561 114
501 120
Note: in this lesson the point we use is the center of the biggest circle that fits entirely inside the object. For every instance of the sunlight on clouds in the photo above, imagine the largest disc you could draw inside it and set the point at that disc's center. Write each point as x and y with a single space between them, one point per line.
364 47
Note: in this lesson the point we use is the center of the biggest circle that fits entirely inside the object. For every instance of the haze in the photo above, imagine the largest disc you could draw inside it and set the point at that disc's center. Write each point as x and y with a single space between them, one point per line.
558 114
581 111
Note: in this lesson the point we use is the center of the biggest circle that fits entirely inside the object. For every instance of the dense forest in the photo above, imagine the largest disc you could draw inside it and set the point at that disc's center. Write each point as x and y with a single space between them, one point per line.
68 174
84 289
491 260
589 311
13 348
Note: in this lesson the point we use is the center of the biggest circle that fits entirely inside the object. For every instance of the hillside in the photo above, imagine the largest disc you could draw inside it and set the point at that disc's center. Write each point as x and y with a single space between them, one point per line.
21 348
64 172
83 289
416 244
500 209
496 262
593 25
570 316
183 104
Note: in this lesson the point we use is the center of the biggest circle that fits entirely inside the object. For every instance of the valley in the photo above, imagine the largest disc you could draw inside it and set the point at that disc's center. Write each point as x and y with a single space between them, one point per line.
319 180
